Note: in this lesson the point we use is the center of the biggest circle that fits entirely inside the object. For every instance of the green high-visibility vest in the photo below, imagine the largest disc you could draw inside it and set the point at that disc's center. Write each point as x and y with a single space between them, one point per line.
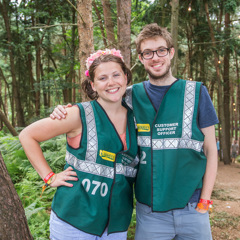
103 195
172 162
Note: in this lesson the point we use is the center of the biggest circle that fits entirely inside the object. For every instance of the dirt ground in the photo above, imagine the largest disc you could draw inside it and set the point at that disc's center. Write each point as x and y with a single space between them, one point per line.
225 217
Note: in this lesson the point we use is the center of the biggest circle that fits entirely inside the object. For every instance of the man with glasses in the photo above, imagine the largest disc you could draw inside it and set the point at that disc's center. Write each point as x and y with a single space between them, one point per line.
175 120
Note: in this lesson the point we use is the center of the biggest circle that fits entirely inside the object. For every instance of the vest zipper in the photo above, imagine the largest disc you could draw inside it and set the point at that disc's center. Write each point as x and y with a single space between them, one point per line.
151 139
110 198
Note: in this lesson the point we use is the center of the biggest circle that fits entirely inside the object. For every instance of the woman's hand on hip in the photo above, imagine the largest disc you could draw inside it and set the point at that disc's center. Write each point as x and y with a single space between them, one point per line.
60 179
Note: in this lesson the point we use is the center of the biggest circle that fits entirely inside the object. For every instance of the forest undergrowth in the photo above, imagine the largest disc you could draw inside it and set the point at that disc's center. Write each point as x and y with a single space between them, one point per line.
28 183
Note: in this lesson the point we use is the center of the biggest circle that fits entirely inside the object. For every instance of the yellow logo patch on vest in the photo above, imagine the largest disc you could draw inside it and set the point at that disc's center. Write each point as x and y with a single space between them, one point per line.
107 155
143 127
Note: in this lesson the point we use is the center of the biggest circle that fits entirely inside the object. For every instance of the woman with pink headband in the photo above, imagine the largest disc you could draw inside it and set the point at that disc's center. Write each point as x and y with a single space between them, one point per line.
94 197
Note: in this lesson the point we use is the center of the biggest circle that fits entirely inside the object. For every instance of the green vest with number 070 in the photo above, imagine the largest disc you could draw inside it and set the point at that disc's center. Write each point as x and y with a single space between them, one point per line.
172 162
103 195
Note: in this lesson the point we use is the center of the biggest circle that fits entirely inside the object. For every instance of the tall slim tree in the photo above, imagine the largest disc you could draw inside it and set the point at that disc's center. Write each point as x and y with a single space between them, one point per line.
237 115
109 24
72 73
124 29
226 84
15 89
85 34
223 142
174 32
100 23
2 102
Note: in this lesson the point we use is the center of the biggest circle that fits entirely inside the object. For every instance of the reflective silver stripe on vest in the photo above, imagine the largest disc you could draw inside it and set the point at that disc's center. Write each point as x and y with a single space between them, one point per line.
92 141
176 143
128 98
144 141
135 161
189 102
89 167
191 144
125 170
186 141
99 169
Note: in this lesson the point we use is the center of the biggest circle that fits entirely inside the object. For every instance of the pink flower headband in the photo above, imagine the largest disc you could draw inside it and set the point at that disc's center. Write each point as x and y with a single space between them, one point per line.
99 53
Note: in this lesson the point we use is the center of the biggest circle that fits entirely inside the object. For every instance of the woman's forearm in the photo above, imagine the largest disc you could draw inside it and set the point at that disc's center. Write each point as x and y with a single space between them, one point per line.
34 153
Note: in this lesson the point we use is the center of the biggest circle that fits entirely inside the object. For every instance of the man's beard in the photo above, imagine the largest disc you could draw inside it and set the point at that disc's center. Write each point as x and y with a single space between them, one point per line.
165 75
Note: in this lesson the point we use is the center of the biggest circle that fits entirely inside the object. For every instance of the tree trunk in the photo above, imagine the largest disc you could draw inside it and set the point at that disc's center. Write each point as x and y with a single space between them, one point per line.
100 23
73 52
2 103
109 24
38 48
202 64
174 33
226 157
5 99
44 90
232 109
64 52
190 51
124 29
2 106
163 19
85 33
38 76
219 129
4 119
48 93
13 221
237 97
15 89
226 88
32 94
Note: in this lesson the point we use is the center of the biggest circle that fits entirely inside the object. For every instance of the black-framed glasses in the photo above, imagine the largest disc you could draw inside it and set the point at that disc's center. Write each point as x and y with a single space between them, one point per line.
161 52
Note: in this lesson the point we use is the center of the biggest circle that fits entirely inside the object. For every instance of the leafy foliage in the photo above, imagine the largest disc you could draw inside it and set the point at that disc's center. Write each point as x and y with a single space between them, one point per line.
27 182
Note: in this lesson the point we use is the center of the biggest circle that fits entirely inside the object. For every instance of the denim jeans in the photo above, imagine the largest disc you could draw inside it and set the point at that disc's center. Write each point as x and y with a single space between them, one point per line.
179 224
60 230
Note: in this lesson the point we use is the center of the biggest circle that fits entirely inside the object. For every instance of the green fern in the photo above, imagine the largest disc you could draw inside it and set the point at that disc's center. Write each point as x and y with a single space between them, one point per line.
27 182
32 209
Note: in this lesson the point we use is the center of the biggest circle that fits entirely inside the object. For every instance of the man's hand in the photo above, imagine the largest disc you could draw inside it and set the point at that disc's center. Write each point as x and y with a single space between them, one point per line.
200 210
59 112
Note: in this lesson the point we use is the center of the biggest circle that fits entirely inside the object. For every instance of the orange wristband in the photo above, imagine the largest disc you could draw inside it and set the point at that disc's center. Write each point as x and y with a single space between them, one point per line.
204 204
